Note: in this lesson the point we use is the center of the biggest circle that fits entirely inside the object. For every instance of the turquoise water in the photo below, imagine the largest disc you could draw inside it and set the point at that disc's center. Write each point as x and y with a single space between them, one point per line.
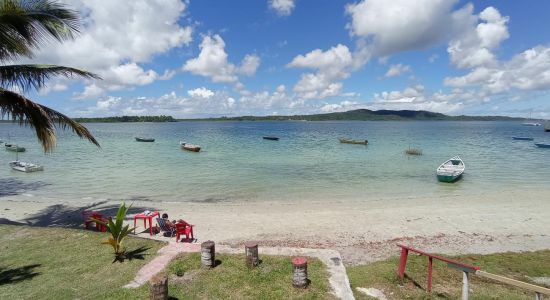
307 163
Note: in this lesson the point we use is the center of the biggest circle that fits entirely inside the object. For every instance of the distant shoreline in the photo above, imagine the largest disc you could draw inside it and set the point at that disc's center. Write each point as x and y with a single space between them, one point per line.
352 115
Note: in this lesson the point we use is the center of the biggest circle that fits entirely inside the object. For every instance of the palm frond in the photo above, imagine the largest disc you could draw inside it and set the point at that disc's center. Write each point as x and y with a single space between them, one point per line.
25 25
39 117
34 76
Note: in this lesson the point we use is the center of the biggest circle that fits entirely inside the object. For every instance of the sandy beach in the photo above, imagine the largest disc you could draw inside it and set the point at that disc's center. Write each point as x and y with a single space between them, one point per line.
362 231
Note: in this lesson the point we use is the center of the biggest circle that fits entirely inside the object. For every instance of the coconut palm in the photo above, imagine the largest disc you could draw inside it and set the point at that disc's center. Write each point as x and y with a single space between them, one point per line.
24 27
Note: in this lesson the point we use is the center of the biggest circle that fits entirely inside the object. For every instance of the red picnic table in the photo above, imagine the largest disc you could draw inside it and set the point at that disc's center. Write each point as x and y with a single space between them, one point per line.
145 217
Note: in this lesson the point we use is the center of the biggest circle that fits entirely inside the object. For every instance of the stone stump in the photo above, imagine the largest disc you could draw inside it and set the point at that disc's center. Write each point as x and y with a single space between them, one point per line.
251 251
299 279
159 287
208 254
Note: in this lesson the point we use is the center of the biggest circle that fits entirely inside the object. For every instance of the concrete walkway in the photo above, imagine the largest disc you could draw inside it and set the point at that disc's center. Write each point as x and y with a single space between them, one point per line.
331 258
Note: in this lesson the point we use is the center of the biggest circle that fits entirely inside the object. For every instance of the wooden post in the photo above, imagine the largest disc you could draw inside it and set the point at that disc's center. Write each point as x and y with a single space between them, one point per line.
402 263
299 279
465 285
208 254
159 287
251 251
430 270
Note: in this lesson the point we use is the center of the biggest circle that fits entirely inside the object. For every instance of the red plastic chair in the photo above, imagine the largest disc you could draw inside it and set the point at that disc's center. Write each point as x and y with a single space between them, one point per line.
184 228
89 215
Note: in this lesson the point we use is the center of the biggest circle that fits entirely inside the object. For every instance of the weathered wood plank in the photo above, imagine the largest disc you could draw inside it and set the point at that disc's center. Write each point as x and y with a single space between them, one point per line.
516 283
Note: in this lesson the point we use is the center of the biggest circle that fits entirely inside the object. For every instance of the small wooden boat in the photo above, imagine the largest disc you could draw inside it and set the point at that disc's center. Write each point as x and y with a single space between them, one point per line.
190 147
451 170
14 148
25 166
542 145
146 140
271 138
358 142
522 138
413 151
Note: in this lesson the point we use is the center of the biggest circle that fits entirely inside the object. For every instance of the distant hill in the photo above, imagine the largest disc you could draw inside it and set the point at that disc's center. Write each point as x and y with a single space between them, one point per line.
366 115
124 119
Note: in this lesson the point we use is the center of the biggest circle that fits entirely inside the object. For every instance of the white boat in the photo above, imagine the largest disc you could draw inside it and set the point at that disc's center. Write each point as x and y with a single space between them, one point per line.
451 170
530 123
190 147
25 166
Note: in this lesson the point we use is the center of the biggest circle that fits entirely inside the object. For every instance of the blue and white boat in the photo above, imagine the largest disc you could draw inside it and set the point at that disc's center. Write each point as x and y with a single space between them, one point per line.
542 145
522 138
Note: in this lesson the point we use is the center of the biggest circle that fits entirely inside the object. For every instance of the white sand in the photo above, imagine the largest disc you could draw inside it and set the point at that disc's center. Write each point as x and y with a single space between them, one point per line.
363 230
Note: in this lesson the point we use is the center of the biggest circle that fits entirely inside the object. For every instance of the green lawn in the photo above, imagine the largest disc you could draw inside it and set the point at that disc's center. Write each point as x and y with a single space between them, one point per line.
56 263
231 279
447 282
59 263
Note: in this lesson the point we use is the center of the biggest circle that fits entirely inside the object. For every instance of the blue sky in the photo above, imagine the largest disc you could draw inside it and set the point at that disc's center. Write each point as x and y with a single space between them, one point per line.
262 57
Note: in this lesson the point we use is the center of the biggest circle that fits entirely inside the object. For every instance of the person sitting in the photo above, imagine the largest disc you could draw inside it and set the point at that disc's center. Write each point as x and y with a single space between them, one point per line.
171 224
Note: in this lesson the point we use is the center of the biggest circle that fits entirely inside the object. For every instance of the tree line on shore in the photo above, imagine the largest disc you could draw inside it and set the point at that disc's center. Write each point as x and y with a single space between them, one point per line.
123 119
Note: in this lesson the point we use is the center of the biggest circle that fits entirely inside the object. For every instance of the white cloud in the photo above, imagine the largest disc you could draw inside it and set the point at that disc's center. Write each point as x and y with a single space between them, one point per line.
342 106
119 35
249 65
527 71
201 92
332 65
53 87
213 62
282 7
220 103
398 69
473 44
401 25
90 91
417 98
433 58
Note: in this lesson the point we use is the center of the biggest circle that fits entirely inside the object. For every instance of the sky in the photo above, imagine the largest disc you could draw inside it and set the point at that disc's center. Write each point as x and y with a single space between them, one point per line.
211 58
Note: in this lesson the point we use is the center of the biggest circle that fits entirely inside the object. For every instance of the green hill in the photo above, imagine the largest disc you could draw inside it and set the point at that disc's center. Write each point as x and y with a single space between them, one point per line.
366 115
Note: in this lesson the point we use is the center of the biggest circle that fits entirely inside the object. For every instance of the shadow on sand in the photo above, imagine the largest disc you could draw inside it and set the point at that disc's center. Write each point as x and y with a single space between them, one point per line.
14 187
8 276
60 215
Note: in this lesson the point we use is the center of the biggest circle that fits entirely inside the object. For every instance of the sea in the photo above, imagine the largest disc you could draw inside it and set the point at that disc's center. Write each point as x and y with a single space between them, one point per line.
307 163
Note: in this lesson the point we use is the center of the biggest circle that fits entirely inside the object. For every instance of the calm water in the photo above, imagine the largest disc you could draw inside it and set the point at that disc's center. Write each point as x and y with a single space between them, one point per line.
307 162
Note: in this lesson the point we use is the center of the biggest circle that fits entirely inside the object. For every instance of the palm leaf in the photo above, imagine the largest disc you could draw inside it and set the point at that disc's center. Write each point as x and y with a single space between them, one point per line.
34 76
25 25
39 117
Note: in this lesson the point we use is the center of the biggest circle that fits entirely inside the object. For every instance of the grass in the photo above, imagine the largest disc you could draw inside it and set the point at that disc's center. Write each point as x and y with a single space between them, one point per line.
57 263
231 279
447 282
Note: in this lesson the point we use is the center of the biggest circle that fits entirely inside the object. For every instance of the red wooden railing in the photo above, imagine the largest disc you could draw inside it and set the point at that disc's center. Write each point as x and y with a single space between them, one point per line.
466 268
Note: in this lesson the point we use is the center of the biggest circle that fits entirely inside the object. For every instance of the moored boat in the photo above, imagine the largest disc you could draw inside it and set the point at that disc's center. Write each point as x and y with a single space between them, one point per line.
142 139
358 142
14 148
190 147
451 170
542 145
25 166
271 138
522 138
530 124
413 151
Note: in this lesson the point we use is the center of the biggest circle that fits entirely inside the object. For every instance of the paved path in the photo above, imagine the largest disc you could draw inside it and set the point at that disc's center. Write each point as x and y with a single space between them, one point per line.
331 258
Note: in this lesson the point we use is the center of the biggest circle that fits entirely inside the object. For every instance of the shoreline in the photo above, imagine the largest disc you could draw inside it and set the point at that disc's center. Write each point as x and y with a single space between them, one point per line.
363 231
